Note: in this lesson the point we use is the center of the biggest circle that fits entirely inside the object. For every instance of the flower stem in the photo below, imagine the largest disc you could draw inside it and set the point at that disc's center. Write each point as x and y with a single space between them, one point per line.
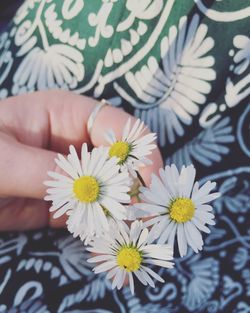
140 179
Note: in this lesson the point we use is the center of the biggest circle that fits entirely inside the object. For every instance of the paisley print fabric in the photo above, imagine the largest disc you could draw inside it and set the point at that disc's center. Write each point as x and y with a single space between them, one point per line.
184 68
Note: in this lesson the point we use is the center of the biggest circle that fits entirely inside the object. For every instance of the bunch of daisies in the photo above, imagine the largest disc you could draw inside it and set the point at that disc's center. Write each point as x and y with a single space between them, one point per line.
96 190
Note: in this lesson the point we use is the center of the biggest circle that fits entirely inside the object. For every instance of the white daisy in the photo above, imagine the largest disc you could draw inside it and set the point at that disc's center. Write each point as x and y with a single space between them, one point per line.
178 206
94 185
133 148
126 252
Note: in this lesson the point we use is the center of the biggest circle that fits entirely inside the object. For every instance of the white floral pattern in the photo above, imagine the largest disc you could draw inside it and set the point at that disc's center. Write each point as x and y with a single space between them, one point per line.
60 66
6 58
169 98
203 283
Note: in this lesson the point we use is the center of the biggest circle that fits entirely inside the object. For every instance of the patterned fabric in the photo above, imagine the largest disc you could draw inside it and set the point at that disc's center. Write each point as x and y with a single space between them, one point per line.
7 11
183 68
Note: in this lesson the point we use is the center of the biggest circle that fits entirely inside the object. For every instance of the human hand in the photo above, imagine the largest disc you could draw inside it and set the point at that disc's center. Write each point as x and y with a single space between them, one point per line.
33 129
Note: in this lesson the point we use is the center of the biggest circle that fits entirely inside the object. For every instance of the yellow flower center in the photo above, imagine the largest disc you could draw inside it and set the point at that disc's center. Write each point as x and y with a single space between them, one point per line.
86 189
182 210
121 150
129 258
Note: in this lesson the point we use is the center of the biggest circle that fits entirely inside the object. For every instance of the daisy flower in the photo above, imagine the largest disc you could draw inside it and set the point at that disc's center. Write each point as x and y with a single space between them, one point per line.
179 206
91 186
126 253
133 148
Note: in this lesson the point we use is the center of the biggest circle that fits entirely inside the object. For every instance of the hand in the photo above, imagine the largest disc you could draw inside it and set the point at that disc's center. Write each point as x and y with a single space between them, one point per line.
33 129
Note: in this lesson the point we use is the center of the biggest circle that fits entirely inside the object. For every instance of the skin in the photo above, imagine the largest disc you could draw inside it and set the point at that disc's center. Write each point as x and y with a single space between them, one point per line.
33 129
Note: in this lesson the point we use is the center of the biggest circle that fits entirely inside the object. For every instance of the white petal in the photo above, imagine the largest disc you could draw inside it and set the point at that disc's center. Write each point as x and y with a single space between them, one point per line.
66 166
120 178
85 158
205 207
159 190
170 180
57 203
141 277
181 238
204 190
194 238
172 236
126 130
163 252
148 278
157 228
143 237
131 283
60 184
186 181
116 209
109 170
169 227
161 263
135 231
101 161
102 216
204 217
207 198
75 160
110 136
118 279
63 210
153 274
104 266
200 225
150 197
151 209
93 162
60 177
112 272
134 129
155 221
121 280
100 258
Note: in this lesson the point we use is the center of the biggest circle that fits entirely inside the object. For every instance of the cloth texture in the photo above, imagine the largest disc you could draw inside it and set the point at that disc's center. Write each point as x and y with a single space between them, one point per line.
183 68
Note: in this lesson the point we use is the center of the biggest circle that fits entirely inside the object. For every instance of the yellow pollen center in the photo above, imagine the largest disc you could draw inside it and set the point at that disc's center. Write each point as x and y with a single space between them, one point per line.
121 150
182 210
86 189
129 258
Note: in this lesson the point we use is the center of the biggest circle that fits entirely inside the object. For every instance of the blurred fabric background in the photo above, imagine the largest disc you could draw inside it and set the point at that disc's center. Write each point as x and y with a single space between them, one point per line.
7 11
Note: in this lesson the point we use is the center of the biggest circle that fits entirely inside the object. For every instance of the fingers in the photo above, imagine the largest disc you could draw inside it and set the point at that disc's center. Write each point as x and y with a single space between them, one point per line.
23 214
18 214
51 120
23 169
68 116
